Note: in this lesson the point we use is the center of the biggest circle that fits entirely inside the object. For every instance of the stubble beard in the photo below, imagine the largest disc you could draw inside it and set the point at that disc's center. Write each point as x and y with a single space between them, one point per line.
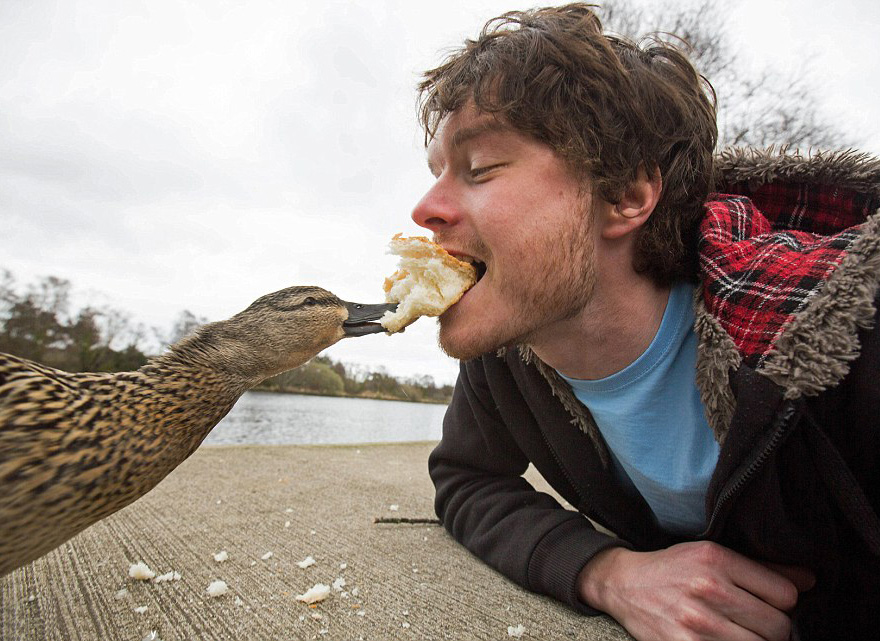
556 281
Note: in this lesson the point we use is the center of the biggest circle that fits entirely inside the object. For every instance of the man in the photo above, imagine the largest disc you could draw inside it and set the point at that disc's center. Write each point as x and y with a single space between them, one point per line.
694 372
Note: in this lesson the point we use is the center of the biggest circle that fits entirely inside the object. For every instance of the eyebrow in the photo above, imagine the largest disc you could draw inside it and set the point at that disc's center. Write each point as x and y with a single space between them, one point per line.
469 133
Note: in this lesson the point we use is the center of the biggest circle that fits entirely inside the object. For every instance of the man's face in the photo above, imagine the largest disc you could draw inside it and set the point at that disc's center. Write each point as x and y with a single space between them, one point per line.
508 202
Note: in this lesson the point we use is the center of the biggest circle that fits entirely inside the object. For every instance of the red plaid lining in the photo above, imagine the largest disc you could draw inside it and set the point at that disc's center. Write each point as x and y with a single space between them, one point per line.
759 272
816 208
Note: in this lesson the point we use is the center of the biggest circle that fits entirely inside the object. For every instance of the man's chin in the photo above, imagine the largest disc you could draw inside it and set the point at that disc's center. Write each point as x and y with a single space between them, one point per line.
465 345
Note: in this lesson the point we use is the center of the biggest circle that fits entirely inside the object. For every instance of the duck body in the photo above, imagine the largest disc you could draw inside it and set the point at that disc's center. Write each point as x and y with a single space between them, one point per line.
77 447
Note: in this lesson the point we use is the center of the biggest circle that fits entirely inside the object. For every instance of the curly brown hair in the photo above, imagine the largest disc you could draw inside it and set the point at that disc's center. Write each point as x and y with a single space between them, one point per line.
607 105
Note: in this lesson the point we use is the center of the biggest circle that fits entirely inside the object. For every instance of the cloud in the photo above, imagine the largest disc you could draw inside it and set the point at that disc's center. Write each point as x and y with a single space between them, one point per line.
197 154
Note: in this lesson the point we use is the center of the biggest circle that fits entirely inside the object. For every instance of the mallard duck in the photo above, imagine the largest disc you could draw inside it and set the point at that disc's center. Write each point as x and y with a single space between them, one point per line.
74 448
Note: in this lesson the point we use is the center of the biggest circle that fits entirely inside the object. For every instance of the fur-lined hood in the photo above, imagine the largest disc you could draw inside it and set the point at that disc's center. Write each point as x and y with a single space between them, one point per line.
817 338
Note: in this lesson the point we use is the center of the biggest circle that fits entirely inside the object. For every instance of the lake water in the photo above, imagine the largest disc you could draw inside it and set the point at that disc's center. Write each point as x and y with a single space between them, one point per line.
266 418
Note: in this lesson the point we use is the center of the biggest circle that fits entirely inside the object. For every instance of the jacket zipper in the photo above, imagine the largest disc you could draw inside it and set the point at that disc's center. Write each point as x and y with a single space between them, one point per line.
736 484
582 499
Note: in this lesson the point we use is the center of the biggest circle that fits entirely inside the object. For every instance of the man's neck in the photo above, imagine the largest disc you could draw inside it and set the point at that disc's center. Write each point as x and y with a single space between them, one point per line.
611 332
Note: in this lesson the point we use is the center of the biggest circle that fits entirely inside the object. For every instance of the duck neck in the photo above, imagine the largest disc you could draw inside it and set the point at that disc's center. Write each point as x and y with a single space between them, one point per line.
218 348
185 397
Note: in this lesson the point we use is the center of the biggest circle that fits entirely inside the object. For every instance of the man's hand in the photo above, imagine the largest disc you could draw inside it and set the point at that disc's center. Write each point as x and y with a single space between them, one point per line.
695 590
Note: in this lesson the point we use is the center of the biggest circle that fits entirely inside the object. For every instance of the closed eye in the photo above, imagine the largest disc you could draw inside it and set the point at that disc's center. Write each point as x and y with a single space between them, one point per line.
479 172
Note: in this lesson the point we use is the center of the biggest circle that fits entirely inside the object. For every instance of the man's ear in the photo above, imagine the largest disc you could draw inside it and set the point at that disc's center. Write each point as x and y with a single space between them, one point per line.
636 205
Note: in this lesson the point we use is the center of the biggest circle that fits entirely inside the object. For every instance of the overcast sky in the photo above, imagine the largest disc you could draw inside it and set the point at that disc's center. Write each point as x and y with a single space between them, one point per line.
195 154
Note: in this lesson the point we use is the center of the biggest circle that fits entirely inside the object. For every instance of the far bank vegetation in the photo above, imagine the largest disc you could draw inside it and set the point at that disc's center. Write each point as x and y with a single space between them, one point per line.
325 376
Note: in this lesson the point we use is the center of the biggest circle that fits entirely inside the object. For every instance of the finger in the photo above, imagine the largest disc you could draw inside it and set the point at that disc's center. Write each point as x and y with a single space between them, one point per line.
731 631
759 617
766 584
803 578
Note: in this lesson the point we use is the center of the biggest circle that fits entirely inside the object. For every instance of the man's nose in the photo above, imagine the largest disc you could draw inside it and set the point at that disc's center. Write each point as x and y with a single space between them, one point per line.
436 210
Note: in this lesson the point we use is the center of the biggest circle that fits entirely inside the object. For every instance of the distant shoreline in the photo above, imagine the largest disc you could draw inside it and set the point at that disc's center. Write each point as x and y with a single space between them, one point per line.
368 395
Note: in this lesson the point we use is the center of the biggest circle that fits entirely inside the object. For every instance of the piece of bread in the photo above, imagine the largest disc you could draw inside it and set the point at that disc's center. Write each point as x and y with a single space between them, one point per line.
428 281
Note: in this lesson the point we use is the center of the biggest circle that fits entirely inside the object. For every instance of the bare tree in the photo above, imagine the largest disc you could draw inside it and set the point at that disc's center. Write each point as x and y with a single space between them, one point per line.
96 338
7 287
51 294
186 324
757 108
117 330
85 341
33 324
38 325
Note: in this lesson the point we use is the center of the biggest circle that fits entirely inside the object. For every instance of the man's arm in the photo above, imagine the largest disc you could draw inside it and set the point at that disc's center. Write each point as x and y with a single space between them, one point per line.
486 505
697 590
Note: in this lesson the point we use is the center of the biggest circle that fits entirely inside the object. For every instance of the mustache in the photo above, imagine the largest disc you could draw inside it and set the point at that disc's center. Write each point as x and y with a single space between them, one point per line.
470 244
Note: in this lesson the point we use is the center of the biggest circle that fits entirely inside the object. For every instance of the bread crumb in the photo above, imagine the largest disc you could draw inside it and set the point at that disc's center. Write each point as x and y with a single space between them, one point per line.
342 566
338 584
152 636
317 592
517 631
287 524
168 576
394 508
266 556
141 609
306 562
141 571
217 588
121 594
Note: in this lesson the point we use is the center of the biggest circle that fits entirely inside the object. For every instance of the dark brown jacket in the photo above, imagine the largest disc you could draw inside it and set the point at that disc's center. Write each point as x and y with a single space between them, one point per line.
798 478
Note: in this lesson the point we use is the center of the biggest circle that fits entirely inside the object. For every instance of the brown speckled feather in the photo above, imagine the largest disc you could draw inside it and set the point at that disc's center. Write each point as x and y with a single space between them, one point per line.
77 447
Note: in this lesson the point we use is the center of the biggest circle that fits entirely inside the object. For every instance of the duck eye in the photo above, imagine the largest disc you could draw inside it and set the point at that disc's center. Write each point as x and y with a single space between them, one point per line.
310 301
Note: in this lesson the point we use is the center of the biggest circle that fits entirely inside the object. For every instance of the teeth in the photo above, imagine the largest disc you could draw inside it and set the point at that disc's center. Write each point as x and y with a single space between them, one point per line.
479 265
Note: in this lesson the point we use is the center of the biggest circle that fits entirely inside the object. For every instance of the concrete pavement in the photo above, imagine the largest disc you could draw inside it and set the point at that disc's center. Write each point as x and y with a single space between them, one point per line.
400 581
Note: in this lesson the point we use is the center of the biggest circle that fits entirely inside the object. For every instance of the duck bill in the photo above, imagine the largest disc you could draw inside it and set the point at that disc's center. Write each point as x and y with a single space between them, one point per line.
362 319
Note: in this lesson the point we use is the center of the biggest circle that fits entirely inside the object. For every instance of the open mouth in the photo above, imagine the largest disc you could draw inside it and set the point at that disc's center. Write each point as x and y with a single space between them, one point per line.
362 318
479 265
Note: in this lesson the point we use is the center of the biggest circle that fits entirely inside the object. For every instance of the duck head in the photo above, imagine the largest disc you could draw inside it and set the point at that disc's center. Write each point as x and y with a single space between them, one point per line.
283 330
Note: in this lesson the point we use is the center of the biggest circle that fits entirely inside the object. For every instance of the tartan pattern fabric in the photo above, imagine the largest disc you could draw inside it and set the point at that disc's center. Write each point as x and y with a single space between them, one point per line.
759 271
816 208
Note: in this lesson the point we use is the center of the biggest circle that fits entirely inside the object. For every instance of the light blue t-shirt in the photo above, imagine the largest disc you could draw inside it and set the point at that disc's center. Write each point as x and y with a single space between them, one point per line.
652 419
